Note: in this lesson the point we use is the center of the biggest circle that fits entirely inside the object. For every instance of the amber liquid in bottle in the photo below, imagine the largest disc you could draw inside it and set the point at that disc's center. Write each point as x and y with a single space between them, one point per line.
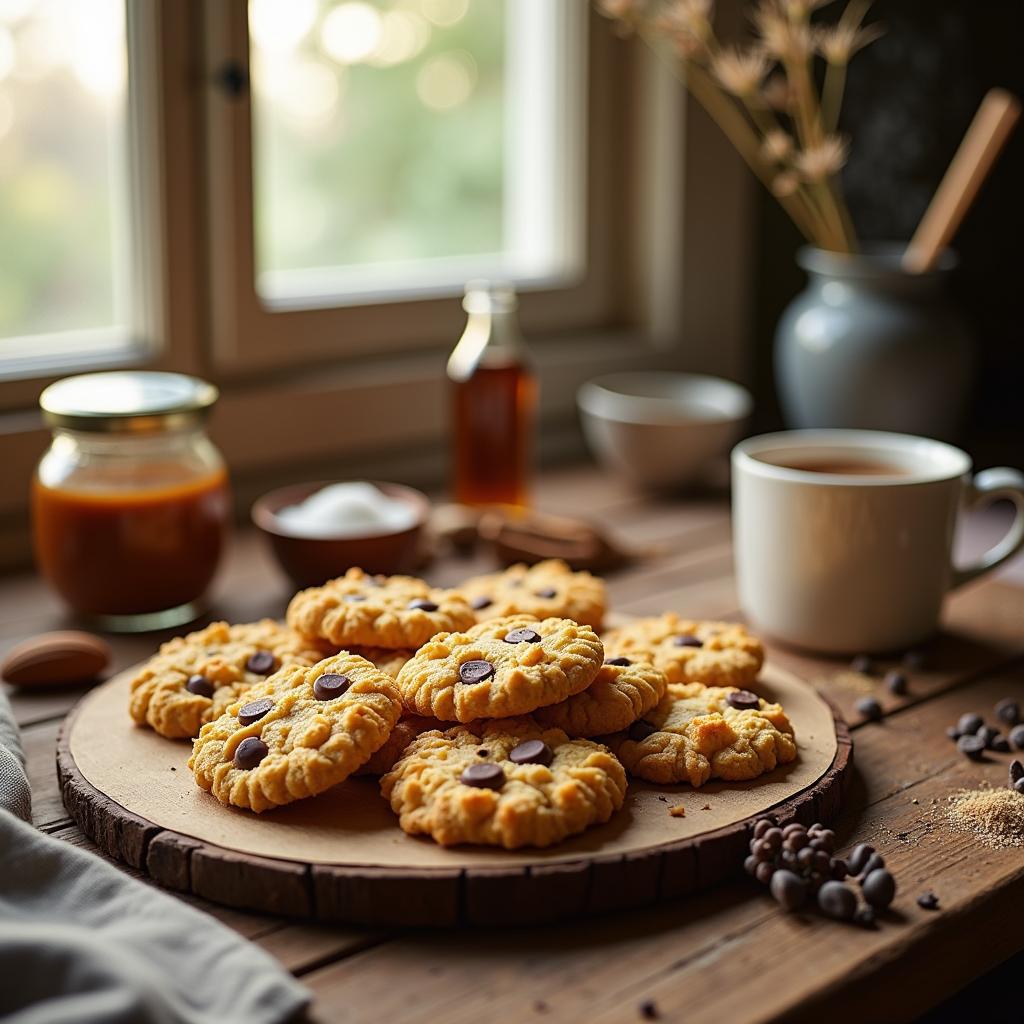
494 396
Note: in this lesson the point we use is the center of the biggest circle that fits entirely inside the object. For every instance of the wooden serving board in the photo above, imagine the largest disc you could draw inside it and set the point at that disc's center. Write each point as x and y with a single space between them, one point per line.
341 856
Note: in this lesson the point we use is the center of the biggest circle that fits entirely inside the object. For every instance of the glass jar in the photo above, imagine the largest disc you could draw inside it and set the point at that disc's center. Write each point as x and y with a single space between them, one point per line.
130 503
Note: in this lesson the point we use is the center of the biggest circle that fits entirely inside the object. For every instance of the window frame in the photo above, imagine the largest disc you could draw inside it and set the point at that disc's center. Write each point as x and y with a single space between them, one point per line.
246 330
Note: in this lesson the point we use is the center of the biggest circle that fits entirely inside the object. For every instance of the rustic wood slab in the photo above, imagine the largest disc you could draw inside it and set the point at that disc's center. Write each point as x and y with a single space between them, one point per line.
341 857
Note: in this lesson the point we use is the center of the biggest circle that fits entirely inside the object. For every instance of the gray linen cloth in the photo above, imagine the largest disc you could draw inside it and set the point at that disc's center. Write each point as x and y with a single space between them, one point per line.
83 943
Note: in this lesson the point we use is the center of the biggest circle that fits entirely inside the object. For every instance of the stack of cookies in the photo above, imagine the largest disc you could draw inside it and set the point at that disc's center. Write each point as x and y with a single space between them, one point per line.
493 712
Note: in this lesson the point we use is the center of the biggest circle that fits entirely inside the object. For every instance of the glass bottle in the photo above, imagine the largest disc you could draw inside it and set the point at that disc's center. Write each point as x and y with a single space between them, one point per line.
494 401
130 503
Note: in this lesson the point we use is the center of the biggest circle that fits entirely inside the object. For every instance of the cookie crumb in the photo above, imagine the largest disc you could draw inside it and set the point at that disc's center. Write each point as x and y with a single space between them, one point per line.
706 807
663 799
540 1006
649 1010
677 811
995 817
173 769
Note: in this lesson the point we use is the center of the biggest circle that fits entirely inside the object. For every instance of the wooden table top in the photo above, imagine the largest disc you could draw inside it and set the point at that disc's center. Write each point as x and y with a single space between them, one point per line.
728 953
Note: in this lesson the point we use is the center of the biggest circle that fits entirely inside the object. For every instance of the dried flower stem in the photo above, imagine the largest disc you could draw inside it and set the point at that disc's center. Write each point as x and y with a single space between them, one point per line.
835 70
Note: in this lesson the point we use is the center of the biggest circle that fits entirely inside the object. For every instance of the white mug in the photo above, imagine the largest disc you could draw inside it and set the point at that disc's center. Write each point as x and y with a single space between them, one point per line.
858 558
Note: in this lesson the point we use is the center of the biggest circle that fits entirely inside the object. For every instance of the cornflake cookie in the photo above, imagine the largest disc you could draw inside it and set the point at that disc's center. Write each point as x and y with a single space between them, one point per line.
689 650
500 668
194 678
301 732
543 590
377 611
623 691
507 783
701 732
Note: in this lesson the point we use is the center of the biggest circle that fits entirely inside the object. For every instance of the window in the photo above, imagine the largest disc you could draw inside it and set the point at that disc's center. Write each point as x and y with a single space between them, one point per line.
64 206
388 151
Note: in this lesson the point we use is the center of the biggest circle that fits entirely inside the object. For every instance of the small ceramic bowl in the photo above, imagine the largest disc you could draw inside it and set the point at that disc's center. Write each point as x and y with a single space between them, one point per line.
309 561
661 429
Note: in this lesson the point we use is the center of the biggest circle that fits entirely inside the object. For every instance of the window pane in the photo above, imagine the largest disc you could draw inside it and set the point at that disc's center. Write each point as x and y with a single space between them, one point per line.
379 136
62 172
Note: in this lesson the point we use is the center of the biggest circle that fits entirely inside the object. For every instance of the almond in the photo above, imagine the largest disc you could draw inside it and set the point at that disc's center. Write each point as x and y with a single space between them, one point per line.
56 659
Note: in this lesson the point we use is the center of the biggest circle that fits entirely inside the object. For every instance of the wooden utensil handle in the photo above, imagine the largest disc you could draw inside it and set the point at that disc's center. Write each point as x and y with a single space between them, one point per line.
969 168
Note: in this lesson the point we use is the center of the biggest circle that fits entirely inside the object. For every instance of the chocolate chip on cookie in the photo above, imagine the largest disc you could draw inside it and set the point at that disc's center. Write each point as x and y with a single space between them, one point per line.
331 685
424 606
688 640
250 752
199 685
743 700
254 710
619 662
522 636
478 604
261 663
532 752
483 776
476 671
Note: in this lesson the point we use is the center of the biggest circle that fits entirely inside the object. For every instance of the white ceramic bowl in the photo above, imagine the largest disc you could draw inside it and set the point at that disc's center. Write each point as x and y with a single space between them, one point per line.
660 429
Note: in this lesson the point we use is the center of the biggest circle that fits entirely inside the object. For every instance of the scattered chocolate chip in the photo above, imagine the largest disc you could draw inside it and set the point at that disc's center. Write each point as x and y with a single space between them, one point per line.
547 592
1016 773
483 752
649 1010
522 636
865 917
896 683
869 709
969 723
478 604
972 747
1000 744
761 826
915 660
254 710
743 700
421 605
837 900
688 640
1017 737
750 864
199 685
863 664
879 888
874 863
620 662
928 901
532 752
1019 786
475 671
988 734
953 732
640 730
250 752
794 828
1008 711
764 872
859 857
839 869
788 889
261 663
483 776
330 686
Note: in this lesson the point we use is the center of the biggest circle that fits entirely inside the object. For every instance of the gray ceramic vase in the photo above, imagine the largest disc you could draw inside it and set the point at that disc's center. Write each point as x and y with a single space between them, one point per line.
866 345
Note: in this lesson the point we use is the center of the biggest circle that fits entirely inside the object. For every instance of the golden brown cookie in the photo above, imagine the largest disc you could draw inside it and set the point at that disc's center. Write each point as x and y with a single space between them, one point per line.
405 731
297 734
623 691
700 732
386 659
194 678
377 611
690 650
508 783
500 668
549 589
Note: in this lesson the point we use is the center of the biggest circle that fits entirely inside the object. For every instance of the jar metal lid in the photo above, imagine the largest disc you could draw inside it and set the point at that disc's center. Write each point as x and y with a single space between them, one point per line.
127 401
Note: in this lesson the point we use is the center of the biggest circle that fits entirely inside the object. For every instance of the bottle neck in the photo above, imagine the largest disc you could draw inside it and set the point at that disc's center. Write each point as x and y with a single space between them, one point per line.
491 338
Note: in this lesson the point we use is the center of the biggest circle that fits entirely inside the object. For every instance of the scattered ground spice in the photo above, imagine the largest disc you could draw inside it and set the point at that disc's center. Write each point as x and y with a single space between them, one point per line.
994 816
677 811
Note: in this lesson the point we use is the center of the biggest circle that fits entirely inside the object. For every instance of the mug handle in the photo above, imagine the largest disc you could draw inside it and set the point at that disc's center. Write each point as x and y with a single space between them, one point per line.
988 486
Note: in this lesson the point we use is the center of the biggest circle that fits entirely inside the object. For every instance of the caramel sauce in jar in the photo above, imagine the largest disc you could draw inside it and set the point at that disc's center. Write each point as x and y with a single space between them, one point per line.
130 503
